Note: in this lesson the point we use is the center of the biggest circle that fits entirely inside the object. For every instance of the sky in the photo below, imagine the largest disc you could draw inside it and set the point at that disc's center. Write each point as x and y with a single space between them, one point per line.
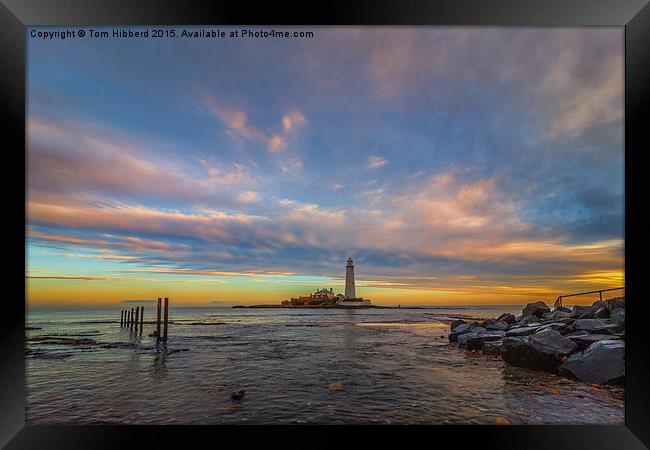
455 165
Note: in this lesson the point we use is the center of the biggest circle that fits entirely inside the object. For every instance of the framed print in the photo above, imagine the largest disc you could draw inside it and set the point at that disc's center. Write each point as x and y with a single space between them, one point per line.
381 218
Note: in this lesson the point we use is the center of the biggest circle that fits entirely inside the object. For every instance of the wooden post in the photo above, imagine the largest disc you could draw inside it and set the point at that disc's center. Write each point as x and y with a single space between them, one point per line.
158 319
166 319
132 317
127 316
601 295
141 318
137 318
121 318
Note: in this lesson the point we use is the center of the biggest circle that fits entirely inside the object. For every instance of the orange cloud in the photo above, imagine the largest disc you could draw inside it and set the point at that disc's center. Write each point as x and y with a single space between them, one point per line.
238 125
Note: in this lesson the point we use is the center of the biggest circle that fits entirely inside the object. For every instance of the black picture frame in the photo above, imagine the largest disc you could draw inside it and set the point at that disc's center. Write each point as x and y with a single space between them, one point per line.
15 15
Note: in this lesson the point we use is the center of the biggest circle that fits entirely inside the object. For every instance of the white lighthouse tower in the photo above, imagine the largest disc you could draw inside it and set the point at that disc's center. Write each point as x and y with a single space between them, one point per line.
350 299
349 281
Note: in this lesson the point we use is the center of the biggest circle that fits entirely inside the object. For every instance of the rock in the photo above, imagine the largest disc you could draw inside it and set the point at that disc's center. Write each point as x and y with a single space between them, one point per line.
598 304
459 330
618 317
456 323
601 363
579 311
496 327
568 320
597 326
559 314
584 340
507 318
616 303
238 394
502 421
577 333
521 331
540 351
463 338
563 308
475 341
536 309
477 329
560 327
336 386
492 347
602 313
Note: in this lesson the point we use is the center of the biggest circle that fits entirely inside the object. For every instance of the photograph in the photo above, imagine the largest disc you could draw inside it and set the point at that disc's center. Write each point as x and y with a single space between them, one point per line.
346 225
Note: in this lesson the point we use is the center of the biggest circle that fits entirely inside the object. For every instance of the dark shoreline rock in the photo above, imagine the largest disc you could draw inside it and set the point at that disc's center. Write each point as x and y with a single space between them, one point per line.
601 363
586 343
535 310
541 351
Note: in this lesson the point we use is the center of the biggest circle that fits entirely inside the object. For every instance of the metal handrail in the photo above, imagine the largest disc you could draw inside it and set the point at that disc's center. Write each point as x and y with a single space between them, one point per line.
558 302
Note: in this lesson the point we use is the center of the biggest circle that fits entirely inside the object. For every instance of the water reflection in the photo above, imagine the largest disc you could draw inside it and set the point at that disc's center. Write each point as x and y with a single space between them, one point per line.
159 365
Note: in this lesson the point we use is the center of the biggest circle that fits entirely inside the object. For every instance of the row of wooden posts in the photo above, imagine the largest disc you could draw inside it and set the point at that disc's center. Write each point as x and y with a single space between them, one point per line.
131 319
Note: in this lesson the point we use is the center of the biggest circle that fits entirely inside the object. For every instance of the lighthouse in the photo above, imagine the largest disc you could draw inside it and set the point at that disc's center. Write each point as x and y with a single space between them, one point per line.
349 281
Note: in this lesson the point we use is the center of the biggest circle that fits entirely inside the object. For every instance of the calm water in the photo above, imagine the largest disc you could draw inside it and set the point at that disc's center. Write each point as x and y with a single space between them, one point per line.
297 366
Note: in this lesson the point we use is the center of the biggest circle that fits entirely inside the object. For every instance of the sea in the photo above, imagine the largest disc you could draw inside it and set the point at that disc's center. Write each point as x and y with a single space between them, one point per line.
296 366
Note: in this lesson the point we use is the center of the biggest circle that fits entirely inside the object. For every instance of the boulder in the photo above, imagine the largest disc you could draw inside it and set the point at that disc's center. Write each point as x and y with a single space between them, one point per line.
597 326
238 394
618 317
601 313
463 338
477 329
560 327
456 323
563 308
536 309
567 320
595 306
521 331
492 347
496 327
579 311
584 339
603 362
559 314
616 303
540 351
459 330
475 341
507 318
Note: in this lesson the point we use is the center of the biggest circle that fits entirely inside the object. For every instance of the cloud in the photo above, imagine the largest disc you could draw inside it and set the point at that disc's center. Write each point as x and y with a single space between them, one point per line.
249 197
276 143
235 119
293 120
238 125
291 166
375 162
71 158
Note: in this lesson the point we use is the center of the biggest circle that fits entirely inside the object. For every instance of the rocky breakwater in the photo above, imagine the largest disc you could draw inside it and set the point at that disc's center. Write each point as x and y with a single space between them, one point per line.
586 343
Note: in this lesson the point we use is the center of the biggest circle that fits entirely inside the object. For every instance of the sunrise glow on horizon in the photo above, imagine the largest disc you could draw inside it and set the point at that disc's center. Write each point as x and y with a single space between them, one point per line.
457 166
